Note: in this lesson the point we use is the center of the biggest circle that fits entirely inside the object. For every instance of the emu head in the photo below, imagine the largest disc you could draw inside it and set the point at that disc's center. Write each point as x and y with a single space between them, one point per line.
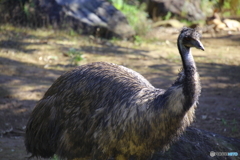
191 38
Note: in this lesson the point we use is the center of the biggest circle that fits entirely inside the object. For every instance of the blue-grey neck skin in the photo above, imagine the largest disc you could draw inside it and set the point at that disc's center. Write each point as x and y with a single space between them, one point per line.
186 55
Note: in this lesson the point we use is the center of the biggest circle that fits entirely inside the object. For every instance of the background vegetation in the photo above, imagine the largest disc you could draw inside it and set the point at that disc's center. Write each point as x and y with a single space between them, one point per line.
25 12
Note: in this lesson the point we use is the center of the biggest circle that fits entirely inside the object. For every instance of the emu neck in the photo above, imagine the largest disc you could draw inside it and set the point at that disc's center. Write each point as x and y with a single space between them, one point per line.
190 82
187 58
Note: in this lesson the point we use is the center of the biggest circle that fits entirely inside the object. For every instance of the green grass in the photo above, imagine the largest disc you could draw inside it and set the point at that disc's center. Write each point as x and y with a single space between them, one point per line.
55 157
76 56
233 124
224 121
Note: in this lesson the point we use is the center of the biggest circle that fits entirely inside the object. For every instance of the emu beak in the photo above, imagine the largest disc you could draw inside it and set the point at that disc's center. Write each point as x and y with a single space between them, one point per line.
199 45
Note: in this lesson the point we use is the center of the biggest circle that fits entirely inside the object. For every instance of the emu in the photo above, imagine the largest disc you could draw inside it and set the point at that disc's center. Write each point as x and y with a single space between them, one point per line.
103 110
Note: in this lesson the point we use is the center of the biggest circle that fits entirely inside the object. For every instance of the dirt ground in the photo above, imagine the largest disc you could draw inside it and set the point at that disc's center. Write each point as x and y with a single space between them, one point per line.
30 61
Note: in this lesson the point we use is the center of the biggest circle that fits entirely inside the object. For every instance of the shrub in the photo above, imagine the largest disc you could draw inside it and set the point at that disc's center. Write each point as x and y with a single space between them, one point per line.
19 12
136 16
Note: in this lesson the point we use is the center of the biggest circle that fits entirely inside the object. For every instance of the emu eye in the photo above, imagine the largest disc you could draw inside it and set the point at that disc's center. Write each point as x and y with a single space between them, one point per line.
187 38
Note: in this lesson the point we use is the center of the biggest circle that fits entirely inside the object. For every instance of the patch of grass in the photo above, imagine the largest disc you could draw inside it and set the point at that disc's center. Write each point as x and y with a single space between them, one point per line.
234 126
76 56
114 39
138 40
231 124
224 121
72 32
55 157
168 16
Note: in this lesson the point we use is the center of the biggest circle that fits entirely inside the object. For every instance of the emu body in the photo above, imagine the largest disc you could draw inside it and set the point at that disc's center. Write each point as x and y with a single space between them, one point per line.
102 110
